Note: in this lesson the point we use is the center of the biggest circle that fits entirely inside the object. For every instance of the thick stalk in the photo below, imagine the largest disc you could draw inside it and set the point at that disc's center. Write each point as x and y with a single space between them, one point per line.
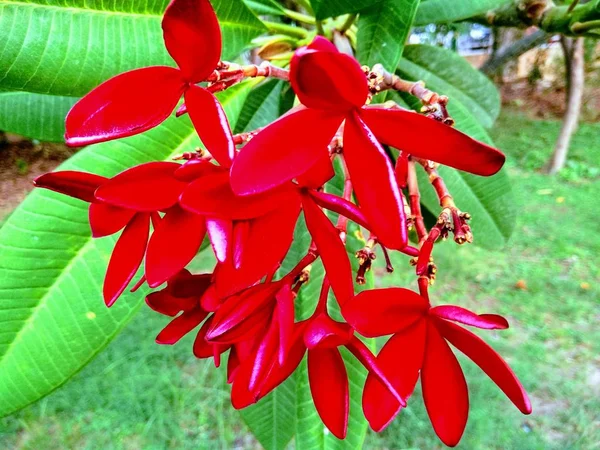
571 117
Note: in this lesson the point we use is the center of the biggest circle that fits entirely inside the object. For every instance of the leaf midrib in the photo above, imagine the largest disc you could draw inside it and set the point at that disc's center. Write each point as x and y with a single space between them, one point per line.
149 15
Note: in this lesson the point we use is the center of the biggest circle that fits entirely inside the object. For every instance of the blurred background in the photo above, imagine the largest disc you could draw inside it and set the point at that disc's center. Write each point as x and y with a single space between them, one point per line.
137 394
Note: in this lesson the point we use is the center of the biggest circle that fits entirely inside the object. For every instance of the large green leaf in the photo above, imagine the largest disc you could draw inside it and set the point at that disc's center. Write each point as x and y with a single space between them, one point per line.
47 47
382 32
262 106
36 116
448 73
332 8
444 11
489 200
52 315
266 7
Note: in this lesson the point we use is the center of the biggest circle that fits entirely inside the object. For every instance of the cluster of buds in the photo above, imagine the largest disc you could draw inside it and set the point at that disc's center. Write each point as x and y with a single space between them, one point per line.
246 194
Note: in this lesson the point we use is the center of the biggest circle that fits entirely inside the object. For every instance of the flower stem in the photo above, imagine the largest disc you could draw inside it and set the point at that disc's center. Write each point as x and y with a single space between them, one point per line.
348 23
288 30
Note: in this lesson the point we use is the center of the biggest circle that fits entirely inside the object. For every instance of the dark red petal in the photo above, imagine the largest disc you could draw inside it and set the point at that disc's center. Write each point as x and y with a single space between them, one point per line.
444 389
184 284
324 332
79 185
374 183
340 206
173 244
192 37
341 85
462 315
147 187
180 326
378 312
127 104
164 302
211 124
107 219
233 363
220 232
203 349
331 249
241 308
284 312
126 257
400 360
241 231
212 196
319 174
268 240
197 168
329 388
427 138
284 150
490 362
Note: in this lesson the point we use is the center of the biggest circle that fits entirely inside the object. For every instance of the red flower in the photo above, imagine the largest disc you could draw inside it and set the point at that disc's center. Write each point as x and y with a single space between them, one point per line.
141 99
334 89
419 344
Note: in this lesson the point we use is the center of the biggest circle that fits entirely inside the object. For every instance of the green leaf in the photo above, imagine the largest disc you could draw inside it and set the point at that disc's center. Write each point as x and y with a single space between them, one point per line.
333 8
382 32
273 419
444 11
447 73
49 48
52 316
36 116
265 7
489 200
262 106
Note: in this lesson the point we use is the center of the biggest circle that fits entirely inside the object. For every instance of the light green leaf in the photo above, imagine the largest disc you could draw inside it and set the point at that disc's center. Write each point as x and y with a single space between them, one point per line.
444 11
447 73
49 48
382 32
489 200
332 8
265 7
35 116
52 316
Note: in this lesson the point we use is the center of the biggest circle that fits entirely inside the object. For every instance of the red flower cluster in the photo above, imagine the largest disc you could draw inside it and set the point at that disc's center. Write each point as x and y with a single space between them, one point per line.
248 205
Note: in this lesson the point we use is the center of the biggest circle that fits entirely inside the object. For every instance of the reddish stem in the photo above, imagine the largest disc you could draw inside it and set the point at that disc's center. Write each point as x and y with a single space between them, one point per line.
415 202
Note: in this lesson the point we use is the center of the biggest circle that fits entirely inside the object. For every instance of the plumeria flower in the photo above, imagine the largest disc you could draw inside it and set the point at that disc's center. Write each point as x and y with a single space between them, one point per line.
334 89
418 345
138 100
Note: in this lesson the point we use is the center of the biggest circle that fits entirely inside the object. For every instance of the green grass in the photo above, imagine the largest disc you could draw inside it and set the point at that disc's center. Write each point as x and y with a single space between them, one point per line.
140 395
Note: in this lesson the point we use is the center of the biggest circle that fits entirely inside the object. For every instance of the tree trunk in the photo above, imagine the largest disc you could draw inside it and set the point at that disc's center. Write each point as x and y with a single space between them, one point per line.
574 98
512 51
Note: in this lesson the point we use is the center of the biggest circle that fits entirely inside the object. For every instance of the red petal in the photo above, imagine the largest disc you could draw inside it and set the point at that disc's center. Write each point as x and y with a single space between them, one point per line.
241 231
284 150
378 312
285 319
401 170
203 349
319 174
324 332
332 250
79 185
427 138
400 360
340 206
233 363
341 85
212 196
126 257
147 187
462 315
329 387
444 389
196 168
269 239
211 124
107 219
192 37
265 357
375 184
220 232
490 362
173 244
127 104
210 300
180 326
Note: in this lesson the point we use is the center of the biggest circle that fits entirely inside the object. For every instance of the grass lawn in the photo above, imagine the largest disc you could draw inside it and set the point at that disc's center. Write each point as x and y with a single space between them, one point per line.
546 282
